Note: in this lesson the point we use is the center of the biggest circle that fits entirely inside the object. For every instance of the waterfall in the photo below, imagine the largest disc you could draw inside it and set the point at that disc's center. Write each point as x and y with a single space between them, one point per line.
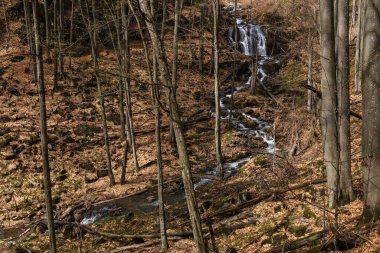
250 38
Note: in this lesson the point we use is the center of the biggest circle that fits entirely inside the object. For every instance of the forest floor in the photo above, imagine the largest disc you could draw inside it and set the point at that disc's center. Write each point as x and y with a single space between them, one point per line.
283 215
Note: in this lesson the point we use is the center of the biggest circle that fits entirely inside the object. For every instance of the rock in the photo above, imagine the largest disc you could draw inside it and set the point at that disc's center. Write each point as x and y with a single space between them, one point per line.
41 228
230 250
70 231
261 161
298 230
17 58
279 239
101 173
150 199
206 204
90 178
62 175
19 249
244 196
79 214
8 154
8 195
307 213
56 199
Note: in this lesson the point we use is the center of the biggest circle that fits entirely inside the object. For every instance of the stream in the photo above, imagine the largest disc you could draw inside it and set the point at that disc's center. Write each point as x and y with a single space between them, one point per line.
251 37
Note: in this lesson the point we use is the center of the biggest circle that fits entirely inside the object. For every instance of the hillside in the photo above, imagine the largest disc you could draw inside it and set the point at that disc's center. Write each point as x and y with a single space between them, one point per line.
273 199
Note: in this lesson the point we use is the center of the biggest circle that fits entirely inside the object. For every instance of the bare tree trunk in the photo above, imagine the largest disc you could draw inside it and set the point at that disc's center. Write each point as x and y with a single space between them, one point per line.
175 63
160 180
7 28
178 130
234 67
55 32
153 79
218 142
310 95
359 49
60 31
371 113
43 130
92 31
127 81
164 10
71 40
47 28
346 193
329 99
201 37
28 25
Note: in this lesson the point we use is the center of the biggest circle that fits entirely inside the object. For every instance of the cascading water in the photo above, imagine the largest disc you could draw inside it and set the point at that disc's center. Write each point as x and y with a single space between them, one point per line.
251 39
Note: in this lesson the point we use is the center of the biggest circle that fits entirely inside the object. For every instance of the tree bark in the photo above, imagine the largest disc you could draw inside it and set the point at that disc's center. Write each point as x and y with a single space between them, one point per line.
47 28
218 142
371 113
43 130
346 193
178 130
329 99
358 48
310 95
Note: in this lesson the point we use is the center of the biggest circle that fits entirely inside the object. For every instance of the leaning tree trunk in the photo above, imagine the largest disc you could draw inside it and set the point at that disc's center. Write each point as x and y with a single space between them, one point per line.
178 130
43 130
329 99
175 61
218 142
346 193
153 79
371 113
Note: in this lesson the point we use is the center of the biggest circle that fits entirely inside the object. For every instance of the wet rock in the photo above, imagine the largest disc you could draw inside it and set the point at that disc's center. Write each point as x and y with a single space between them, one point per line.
101 173
271 67
90 178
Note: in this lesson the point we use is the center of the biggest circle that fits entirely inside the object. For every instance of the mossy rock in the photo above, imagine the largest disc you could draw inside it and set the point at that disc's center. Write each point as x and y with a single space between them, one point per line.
298 230
279 239
307 213
6 139
197 95
261 161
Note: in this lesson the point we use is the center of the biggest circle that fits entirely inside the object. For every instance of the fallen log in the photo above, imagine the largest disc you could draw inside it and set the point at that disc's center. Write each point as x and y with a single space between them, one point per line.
266 196
135 246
